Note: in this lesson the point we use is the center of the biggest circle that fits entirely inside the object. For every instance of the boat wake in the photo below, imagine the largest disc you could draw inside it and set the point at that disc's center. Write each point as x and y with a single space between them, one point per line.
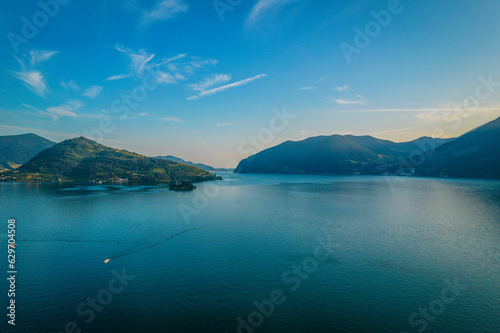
123 254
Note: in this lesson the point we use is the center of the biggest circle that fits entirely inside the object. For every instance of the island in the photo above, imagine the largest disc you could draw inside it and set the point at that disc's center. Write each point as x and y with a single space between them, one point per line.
181 186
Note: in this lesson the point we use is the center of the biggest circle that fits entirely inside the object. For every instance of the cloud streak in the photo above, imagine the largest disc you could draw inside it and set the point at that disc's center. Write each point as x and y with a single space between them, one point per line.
361 101
165 10
262 8
226 87
34 80
492 108
39 56
343 88
65 110
138 60
211 81
118 77
70 85
167 71
92 92
172 119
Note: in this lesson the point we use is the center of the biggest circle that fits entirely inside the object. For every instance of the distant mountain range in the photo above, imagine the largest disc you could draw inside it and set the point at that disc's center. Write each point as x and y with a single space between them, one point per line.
475 154
335 154
85 160
180 160
15 150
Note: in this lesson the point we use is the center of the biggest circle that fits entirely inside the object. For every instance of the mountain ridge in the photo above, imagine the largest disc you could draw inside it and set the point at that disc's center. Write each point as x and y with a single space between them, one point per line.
342 156
473 154
82 159
15 150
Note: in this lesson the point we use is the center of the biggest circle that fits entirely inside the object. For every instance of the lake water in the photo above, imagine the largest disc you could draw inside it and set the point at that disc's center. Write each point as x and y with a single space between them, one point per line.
335 254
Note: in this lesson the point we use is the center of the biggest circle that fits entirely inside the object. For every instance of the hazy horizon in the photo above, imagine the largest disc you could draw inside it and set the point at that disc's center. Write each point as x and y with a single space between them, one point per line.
215 165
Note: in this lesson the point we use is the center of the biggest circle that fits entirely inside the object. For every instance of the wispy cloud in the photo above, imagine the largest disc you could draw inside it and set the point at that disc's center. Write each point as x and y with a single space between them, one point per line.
65 110
343 88
32 77
138 62
165 10
308 88
263 7
455 112
92 92
197 62
164 77
361 101
166 70
70 85
172 119
170 60
224 124
135 116
118 77
211 81
225 87
30 107
491 109
138 59
39 56
93 116
435 116
346 102
34 80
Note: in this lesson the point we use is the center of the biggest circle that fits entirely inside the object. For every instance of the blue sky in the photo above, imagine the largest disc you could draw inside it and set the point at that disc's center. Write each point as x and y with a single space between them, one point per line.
200 79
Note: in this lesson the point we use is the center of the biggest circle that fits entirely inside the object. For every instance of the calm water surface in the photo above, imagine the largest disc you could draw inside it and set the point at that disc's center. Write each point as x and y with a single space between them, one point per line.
392 249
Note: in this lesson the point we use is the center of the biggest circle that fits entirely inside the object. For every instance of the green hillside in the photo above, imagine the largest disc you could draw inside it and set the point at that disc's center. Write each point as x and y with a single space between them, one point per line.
15 150
85 160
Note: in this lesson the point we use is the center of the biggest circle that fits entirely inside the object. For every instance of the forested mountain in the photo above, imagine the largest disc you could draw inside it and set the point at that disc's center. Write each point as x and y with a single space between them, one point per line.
15 150
82 159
